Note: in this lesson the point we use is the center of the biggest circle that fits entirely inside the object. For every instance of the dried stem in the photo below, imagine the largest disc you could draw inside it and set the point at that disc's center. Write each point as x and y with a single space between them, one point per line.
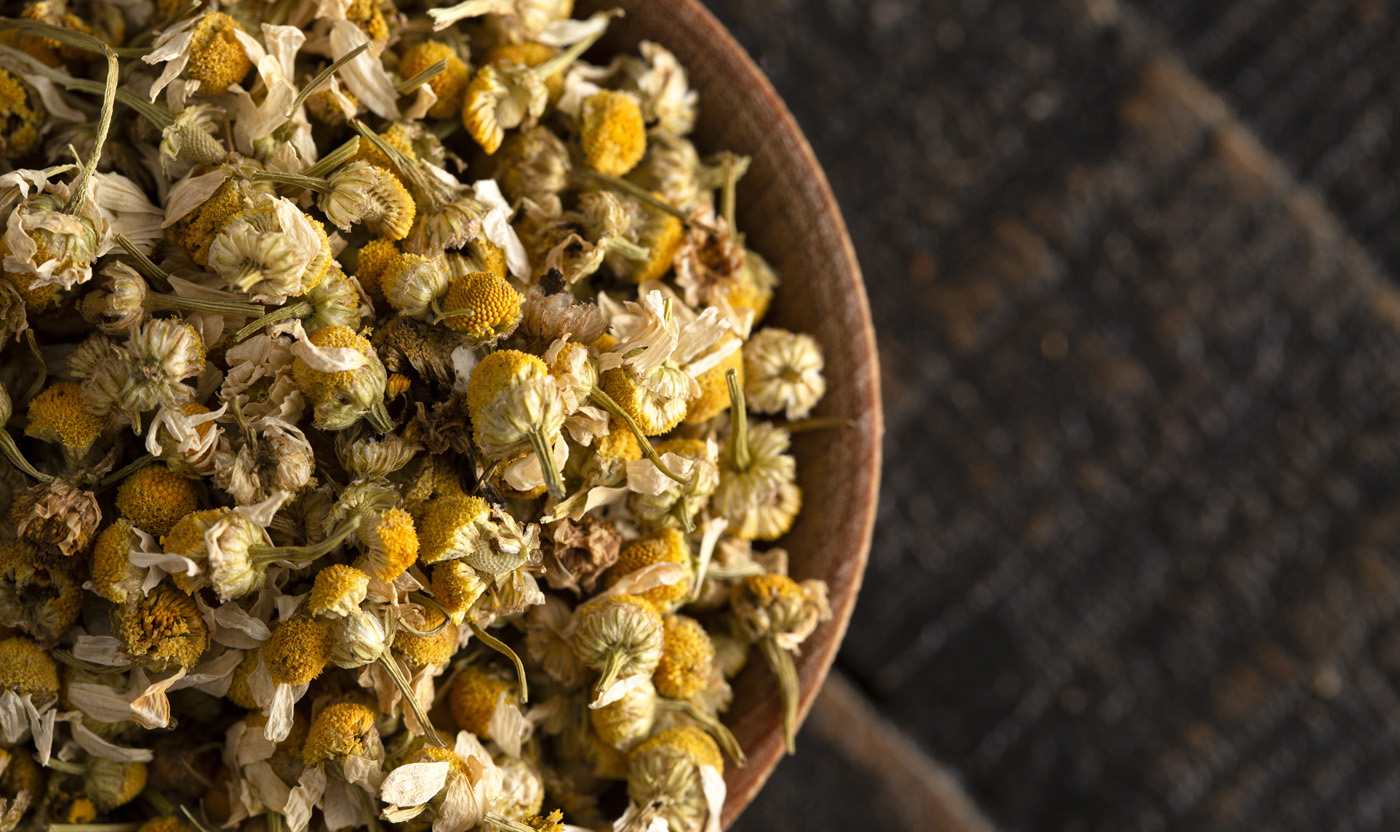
324 75
413 82
739 424
504 649
391 667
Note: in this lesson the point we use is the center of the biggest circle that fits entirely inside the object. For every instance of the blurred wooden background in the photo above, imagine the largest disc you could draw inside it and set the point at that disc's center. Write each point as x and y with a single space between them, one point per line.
1133 268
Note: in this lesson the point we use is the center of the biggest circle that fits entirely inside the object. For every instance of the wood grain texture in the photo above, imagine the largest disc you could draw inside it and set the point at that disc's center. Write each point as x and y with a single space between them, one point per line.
786 208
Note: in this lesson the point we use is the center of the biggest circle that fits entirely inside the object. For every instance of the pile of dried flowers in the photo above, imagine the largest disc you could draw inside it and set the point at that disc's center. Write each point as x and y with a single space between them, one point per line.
409 499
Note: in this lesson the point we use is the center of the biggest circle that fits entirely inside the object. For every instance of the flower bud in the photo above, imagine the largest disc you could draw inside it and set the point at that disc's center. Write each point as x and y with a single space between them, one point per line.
56 517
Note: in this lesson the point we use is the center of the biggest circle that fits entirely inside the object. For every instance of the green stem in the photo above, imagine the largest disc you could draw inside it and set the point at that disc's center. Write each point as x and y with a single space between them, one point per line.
552 480
627 248
603 400
561 61
155 115
335 158
11 451
299 180
378 417
414 82
783 667
324 75
611 668
722 735
104 124
727 190
215 306
739 424
127 470
270 554
504 649
391 667
66 767
144 264
303 309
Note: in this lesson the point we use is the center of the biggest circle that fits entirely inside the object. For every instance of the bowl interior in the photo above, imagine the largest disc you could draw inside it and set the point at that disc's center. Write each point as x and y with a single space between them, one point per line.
787 211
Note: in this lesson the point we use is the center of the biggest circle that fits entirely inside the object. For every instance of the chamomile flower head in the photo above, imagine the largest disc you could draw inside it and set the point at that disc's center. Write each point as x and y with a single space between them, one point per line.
340 731
369 457
154 498
339 393
516 407
21 117
454 527
775 606
411 283
656 401
50 245
427 650
391 545
119 303
59 414
762 500
686 662
214 56
449 85
620 637
163 628
482 307
501 98
26 669
165 352
714 389
457 586
189 140
783 372
337 591
358 639
666 546
629 720
297 652
43 600
476 693
112 783
114 577
533 164
666 775
373 260
57 517
271 251
239 692
333 302
613 132
364 194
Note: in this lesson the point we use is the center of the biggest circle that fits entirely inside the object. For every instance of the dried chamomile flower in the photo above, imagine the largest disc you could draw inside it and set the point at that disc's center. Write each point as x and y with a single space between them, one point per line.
629 720
362 193
658 233
271 457
371 262
522 789
622 638
162 628
334 301
476 694
449 85
670 502
271 251
50 243
516 407
667 546
189 140
120 303
411 283
205 49
57 517
684 669
576 553
714 396
677 777
27 670
783 372
109 784
338 591
297 652
340 731
778 614
371 457
533 164
59 414
391 545
21 118
153 498
613 132
482 306
44 601
114 577
159 354
342 378
457 586
427 650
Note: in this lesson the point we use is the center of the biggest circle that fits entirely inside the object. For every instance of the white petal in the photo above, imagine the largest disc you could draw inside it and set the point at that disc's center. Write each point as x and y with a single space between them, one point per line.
191 193
414 783
365 75
496 225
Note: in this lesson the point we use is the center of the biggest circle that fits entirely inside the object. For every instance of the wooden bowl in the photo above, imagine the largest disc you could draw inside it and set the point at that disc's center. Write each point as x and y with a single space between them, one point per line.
787 211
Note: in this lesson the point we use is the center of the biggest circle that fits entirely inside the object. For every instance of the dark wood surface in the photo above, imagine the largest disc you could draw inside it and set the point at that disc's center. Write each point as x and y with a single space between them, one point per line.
1132 267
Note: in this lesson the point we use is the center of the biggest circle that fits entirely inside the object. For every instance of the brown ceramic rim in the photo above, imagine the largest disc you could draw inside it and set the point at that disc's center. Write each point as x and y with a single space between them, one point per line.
790 216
